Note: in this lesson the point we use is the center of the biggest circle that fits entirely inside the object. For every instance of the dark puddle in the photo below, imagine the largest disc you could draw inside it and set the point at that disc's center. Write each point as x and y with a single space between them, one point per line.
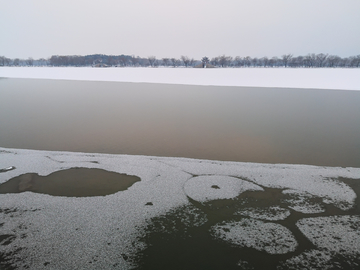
172 244
74 182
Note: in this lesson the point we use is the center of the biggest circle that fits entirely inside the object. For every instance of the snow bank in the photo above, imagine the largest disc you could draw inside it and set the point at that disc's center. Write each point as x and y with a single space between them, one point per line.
324 78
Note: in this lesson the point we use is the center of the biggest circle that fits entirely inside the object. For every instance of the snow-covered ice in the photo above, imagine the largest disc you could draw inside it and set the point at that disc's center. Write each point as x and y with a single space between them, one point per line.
266 213
214 187
39 230
270 237
339 234
303 202
317 78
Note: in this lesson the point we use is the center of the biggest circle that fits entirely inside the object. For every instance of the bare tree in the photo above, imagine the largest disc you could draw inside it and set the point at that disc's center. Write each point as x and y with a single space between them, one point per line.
4 61
152 60
135 60
30 61
310 60
16 62
224 61
297 61
166 61
247 61
175 62
238 61
186 60
264 61
355 61
215 61
286 58
320 59
255 62
333 60
123 60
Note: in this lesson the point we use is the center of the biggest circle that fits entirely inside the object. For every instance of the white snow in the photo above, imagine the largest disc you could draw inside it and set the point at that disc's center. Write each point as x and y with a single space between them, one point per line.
266 213
270 237
339 234
318 78
310 260
302 202
70 232
213 187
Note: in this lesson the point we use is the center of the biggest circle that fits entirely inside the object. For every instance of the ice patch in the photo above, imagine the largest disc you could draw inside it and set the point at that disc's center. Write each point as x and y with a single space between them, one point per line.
303 202
310 260
207 188
270 237
339 234
318 181
267 213
245 265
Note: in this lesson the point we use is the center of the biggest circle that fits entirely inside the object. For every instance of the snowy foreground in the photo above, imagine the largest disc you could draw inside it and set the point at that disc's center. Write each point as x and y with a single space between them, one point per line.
49 232
325 78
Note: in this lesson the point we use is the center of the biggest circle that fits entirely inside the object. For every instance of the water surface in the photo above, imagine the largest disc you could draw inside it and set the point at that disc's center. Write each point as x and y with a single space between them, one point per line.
74 182
249 124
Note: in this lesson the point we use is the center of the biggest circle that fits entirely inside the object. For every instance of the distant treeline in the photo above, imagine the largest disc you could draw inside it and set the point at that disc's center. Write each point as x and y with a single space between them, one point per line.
100 60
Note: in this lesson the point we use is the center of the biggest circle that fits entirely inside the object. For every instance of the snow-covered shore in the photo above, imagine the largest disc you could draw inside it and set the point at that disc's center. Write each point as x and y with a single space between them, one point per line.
324 78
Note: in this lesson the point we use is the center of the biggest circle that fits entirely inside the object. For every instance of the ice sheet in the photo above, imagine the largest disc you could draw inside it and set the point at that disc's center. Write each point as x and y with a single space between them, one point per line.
320 78
270 237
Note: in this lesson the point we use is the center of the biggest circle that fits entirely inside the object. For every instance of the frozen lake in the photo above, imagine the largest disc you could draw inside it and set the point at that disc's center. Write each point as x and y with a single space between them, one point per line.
248 124
175 212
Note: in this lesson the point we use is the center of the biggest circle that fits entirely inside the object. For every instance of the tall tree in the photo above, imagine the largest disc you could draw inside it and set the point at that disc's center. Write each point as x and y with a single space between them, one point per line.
320 59
286 59
175 62
186 60
152 60
166 61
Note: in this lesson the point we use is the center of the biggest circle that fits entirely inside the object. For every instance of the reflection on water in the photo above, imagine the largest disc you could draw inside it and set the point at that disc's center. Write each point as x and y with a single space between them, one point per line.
271 125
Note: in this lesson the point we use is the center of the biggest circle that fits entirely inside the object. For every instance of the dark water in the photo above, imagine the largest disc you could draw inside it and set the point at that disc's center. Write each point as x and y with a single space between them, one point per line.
271 125
74 182
173 244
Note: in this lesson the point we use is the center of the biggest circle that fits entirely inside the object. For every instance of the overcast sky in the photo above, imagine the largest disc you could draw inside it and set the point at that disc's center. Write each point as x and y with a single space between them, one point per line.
171 28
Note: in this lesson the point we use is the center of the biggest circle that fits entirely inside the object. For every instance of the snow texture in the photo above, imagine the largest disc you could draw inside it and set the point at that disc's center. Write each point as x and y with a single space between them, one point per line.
339 234
317 78
267 213
101 232
213 187
270 237
310 260
302 202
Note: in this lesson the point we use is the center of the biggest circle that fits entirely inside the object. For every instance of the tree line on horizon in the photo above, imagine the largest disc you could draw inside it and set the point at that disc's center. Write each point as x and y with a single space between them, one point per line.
311 60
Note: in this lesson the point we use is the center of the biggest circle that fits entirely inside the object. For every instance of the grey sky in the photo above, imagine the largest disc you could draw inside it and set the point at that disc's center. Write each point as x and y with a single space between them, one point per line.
170 28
